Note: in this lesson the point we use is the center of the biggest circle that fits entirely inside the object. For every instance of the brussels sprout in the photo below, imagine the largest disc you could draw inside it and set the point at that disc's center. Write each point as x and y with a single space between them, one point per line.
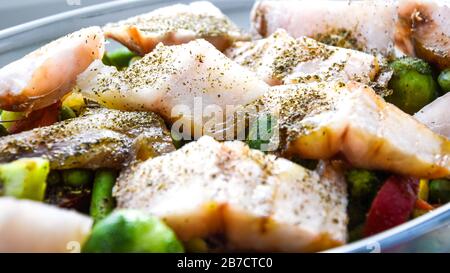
444 80
119 58
439 191
24 178
362 183
66 113
412 83
127 231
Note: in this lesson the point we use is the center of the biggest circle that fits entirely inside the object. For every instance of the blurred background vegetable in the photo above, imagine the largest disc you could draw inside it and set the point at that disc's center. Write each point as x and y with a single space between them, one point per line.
24 178
77 177
126 231
439 191
444 80
119 58
412 83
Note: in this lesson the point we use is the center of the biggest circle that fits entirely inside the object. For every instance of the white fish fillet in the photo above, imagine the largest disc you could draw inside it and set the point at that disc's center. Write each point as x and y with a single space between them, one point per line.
28 226
322 120
176 24
257 202
174 81
436 115
368 25
44 76
424 31
282 59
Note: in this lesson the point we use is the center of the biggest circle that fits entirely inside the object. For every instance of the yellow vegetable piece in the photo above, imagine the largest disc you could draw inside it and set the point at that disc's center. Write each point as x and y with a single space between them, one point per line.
7 118
75 101
423 189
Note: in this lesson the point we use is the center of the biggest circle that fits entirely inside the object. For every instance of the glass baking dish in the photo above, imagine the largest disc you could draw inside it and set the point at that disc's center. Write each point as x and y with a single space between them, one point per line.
429 233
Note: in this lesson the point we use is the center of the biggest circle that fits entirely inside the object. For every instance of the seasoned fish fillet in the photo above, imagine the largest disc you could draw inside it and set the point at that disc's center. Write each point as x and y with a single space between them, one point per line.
363 25
28 226
173 81
99 138
281 59
322 120
44 76
257 202
424 30
435 115
174 25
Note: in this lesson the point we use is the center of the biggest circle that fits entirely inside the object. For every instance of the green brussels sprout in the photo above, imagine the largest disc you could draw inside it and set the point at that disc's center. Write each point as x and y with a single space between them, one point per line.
362 183
66 113
444 80
119 58
412 84
77 177
131 231
439 191
24 178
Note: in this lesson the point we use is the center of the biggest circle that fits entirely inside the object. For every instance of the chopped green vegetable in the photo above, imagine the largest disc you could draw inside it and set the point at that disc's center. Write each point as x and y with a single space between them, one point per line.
54 178
77 177
439 191
362 183
7 118
25 178
66 113
3 131
102 202
444 80
119 58
127 231
134 59
412 83
261 132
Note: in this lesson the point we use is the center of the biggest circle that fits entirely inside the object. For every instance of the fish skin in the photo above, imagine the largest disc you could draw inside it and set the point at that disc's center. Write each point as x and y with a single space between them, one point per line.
99 138
45 75
322 17
176 24
258 202
324 120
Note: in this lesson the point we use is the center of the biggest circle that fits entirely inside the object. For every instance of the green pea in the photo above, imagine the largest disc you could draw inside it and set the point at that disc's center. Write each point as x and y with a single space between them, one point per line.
131 231
66 113
77 177
444 80
102 202
439 191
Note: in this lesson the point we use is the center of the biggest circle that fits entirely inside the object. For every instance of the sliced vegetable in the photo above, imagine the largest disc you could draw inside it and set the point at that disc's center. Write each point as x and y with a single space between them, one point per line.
444 80
423 189
8 118
261 131
393 204
440 191
412 83
102 200
77 177
25 178
66 113
119 58
132 231
74 101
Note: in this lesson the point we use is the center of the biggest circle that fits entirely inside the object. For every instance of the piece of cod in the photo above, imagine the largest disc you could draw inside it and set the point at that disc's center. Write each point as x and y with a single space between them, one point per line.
323 120
176 24
257 202
183 83
282 59
363 25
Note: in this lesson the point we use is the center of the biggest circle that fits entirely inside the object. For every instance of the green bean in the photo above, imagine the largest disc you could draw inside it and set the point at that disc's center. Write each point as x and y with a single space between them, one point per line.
66 113
125 231
412 84
102 202
444 80
77 177
439 191
25 178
